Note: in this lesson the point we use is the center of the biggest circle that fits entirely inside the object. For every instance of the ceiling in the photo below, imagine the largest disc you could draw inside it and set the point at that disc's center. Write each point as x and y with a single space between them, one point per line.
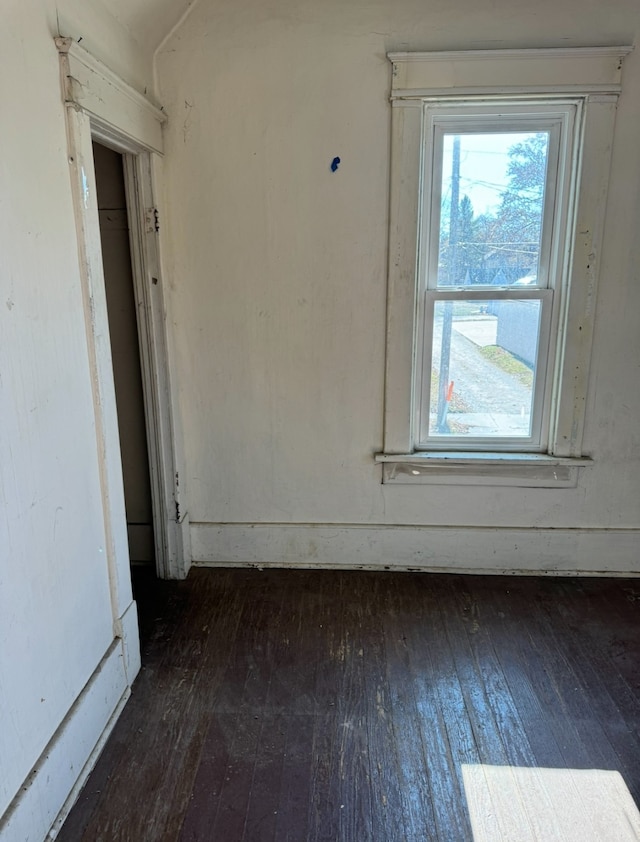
148 21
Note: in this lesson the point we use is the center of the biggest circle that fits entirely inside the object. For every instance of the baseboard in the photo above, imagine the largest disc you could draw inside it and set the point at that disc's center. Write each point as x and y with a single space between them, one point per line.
590 552
185 545
50 789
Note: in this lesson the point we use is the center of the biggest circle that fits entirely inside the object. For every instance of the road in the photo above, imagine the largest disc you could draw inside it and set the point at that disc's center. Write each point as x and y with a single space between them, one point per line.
495 402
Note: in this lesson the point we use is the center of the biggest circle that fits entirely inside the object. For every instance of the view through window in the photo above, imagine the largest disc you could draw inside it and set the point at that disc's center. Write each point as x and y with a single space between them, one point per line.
489 278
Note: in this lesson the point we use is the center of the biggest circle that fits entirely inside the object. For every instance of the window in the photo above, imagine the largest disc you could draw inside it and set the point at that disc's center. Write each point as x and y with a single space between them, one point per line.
490 270
499 172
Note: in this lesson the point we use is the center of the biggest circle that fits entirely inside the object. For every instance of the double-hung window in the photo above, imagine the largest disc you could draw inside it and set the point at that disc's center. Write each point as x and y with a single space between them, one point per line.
499 172
498 182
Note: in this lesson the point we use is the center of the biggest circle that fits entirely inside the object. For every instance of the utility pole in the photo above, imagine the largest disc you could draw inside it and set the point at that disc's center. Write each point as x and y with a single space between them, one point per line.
447 316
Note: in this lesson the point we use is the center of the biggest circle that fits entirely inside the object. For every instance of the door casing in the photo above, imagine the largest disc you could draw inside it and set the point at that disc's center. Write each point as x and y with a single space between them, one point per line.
102 107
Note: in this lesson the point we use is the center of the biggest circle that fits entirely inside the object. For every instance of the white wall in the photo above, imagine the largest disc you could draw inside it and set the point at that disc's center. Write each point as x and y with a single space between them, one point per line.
278 272
93 25
56 608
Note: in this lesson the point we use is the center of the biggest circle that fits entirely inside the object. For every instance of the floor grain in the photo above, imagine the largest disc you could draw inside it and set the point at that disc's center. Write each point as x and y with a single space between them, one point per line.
332 706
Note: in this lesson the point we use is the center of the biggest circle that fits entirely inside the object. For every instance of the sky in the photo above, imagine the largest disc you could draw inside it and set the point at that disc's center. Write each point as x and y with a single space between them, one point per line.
483 167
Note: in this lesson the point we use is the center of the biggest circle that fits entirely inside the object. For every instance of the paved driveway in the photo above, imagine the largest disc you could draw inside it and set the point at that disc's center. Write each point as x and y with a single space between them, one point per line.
496 403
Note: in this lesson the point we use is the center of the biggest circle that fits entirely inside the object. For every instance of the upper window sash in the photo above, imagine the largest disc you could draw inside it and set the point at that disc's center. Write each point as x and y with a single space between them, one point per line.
557 121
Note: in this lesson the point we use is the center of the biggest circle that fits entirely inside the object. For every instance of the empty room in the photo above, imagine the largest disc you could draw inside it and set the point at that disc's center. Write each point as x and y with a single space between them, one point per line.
320 397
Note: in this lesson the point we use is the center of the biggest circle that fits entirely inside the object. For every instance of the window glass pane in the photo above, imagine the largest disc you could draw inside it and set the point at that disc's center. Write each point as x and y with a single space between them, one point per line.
492 200
483 368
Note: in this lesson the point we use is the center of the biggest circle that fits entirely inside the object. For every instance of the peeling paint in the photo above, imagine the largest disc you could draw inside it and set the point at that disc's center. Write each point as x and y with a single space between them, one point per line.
85 187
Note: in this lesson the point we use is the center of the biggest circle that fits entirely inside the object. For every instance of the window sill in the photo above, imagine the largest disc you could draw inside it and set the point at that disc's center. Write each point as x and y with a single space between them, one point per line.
526 470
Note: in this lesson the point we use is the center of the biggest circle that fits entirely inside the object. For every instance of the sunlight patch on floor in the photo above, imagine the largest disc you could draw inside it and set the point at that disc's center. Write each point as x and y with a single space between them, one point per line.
522 804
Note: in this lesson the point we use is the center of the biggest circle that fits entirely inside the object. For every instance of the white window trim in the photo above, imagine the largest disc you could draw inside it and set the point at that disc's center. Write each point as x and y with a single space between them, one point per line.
592 74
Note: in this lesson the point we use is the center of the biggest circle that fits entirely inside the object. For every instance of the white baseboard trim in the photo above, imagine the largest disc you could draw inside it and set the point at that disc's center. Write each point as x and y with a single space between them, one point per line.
592 552
46 796
185 546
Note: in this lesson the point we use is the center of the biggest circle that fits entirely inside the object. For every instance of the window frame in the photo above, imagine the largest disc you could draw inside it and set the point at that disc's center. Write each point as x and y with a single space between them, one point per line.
561 119
589 77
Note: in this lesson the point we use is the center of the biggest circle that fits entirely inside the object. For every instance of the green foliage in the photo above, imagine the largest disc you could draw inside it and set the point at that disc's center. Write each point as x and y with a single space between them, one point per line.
519 219
507 362
504 245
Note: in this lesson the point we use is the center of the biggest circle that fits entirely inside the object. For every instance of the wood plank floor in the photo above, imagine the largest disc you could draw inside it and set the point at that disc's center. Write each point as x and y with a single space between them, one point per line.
332 706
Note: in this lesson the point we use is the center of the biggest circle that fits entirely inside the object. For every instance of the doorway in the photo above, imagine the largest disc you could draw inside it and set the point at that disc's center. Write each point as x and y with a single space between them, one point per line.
125 351
103 108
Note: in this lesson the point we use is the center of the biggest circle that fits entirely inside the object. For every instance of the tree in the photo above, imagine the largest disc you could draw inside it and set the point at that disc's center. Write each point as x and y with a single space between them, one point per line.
518 224
474 233
468 254
466 237
504 246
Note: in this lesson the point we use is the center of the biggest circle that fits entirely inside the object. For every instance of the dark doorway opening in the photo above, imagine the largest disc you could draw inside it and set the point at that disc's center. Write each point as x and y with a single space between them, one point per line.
125 351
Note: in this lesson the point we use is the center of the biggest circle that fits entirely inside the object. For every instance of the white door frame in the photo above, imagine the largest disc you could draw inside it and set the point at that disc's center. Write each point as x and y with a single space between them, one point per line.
102 107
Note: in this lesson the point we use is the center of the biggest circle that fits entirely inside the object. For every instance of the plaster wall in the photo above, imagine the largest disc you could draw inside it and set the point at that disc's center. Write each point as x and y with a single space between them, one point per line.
56 611
97 26
277 268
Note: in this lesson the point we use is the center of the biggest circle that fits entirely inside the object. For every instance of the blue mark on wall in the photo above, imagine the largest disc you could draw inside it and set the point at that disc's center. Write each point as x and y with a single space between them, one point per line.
335 164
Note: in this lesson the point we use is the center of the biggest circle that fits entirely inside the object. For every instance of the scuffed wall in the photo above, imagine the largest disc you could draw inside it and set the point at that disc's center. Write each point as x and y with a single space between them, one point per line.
278 273
56 616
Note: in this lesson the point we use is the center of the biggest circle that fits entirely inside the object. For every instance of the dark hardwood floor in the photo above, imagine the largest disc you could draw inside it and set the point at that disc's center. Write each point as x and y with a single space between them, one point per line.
332 706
